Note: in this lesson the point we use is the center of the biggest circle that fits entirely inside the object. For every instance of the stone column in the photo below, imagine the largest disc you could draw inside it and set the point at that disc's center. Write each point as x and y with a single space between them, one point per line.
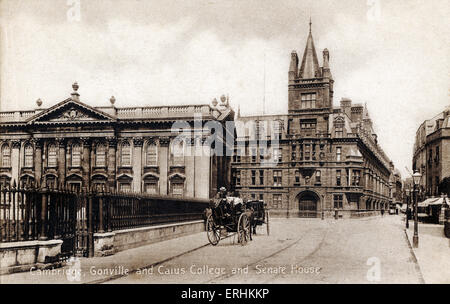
203 179
61 161
37 160
137 164
190 167
198 153
15 161
111 162
163 162
86 163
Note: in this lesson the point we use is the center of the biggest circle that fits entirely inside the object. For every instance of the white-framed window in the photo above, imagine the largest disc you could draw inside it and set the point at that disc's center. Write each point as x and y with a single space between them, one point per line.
308 127
356 177
338 201
125 187
339 124
177 152
338 153
338 178
100 155
76 155
308 100
318 176
125 156
237 178
276 201
151 155
177 188
52 155
297 176
28 157
277 178
151 187
6 156
277 129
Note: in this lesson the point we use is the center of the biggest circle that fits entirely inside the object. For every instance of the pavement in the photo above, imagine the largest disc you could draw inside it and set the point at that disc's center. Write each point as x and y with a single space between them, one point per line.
369 250
433 253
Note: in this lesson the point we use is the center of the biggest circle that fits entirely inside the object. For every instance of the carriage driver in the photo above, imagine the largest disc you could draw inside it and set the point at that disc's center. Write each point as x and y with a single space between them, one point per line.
223 203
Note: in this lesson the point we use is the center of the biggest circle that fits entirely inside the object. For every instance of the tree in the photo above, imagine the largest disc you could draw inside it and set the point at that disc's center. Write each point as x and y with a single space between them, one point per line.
444 186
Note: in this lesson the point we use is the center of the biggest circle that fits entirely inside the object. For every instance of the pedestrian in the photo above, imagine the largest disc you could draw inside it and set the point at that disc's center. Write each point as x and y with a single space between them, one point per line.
382 212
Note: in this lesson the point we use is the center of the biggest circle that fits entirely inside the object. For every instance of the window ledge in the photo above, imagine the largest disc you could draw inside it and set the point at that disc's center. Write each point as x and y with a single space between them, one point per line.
125 167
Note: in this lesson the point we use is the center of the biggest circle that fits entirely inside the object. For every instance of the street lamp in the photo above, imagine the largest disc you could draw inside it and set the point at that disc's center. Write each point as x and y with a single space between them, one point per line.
416 178
408 198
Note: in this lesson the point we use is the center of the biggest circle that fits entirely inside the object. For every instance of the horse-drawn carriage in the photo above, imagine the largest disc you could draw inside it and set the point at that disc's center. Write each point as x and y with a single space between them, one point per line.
232 215
228 215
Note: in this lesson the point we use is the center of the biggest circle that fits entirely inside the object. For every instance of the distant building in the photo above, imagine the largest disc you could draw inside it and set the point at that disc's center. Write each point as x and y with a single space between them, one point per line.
124 149
396 187
431 155
316 157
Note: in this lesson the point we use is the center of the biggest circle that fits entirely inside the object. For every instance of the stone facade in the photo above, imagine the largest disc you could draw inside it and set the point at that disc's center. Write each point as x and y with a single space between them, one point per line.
432 152
134 149
315 158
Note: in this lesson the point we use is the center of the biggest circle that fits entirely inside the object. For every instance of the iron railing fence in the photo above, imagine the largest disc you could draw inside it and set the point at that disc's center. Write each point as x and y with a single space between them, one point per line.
30 212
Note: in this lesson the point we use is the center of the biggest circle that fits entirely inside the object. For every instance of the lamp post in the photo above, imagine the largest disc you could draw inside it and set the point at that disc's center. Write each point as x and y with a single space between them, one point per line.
408 198
416 179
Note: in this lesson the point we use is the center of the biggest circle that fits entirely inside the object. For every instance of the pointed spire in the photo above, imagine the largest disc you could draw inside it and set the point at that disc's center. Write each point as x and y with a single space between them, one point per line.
310 23
310 63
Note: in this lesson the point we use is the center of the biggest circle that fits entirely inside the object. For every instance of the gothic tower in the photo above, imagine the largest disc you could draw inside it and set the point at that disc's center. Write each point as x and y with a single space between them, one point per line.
310 86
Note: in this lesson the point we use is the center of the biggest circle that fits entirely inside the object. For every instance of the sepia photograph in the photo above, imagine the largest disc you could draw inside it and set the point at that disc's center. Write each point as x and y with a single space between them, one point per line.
224 142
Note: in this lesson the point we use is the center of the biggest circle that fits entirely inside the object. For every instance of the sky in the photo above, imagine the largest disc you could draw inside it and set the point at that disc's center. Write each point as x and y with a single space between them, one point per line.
391 55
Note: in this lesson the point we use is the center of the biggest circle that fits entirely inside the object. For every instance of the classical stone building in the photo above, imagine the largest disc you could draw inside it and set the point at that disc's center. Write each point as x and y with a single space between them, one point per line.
316 157
126 149
431 155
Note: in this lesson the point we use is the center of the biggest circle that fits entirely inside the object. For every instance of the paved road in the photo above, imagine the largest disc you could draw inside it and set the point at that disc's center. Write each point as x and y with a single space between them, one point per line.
371 250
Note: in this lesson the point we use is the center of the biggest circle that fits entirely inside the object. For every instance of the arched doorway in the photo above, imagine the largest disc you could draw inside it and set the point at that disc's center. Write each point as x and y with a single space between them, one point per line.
307 204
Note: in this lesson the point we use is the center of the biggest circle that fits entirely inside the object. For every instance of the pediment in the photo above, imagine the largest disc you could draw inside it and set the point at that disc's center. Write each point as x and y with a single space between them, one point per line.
70 111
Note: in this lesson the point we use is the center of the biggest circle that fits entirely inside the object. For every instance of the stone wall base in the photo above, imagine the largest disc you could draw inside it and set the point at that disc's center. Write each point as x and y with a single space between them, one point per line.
26 255
111 242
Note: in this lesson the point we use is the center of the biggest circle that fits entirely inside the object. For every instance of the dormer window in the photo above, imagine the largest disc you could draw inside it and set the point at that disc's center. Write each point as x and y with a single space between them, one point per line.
339 124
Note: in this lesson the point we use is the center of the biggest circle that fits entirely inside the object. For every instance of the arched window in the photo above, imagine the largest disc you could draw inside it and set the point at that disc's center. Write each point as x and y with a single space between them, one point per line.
125 154
152 155
100 155
52 158
76 155
177 152
6 156
28 161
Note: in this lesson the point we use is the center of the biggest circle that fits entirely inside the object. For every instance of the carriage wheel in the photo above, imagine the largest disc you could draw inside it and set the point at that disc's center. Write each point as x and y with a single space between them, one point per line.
213 231
243 229
267 223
